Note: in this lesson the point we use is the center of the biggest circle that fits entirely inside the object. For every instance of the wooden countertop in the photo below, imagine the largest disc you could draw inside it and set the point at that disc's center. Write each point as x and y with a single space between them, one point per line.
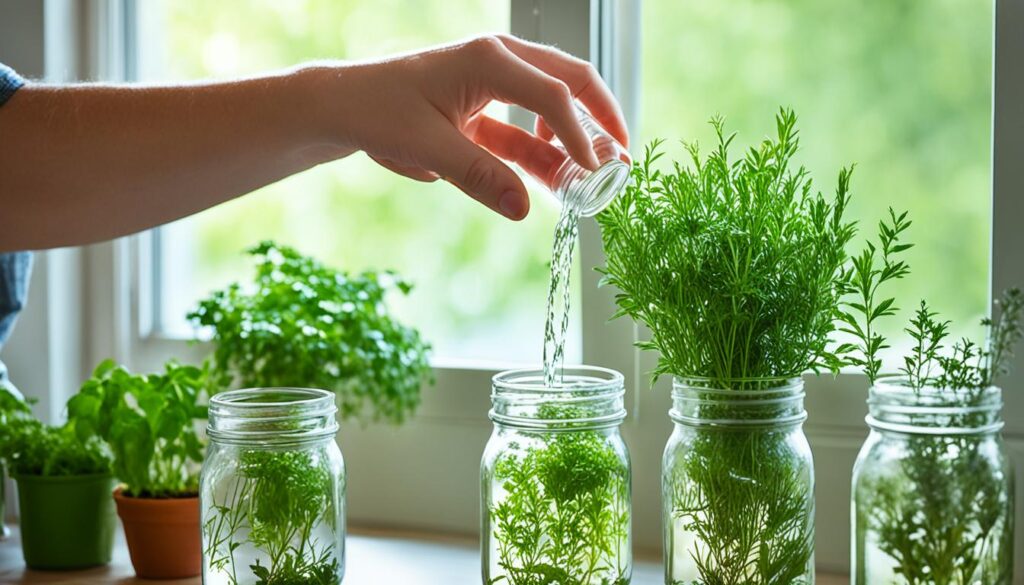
371 556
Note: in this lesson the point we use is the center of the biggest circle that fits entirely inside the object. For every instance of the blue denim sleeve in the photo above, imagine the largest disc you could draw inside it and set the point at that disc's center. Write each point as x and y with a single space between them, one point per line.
10 82
15 269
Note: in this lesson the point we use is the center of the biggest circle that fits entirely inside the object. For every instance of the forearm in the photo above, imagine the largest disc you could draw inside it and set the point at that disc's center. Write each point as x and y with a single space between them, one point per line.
81 164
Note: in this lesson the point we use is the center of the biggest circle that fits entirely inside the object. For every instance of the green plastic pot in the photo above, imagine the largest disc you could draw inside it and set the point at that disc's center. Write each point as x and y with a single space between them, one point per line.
66 522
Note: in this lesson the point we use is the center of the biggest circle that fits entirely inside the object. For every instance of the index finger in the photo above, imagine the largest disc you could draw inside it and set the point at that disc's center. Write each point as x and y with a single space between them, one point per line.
583 80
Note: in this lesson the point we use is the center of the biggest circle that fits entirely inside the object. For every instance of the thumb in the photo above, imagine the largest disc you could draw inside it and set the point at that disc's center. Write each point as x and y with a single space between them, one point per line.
478 173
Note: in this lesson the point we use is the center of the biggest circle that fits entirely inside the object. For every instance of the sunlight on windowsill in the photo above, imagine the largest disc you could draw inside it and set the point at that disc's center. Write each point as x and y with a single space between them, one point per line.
374 557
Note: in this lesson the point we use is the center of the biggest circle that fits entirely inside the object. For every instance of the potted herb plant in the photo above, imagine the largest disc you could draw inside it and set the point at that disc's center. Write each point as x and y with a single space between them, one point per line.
932 485
67 517
304 324
736 267
148 421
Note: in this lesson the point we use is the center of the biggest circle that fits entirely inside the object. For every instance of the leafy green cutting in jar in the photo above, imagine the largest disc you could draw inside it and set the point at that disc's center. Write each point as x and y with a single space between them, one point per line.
938 511
565 516
736 267
275 504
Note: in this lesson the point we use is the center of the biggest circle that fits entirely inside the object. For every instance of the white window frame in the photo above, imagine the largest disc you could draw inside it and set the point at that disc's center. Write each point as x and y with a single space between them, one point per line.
394 477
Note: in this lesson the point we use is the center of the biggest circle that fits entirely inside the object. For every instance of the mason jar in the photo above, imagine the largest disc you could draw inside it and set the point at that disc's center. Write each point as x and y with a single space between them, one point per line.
738 484
555 480
583 191
272 489
933 489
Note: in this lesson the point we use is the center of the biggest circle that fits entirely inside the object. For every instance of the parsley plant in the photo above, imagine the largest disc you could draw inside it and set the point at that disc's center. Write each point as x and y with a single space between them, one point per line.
307 325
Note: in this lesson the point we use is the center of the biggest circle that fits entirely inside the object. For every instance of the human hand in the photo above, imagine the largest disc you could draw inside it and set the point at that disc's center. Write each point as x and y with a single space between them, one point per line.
421 114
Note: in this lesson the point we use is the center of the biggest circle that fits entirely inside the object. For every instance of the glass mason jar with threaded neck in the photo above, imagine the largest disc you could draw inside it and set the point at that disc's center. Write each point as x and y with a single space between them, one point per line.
738 484
555 481
272 489
586 192
932 489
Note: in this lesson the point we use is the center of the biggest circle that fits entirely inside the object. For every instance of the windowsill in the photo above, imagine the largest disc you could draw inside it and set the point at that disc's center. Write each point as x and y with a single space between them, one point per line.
372 554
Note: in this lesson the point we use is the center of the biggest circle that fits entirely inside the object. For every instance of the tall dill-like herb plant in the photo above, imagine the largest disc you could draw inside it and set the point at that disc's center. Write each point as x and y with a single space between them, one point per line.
736 266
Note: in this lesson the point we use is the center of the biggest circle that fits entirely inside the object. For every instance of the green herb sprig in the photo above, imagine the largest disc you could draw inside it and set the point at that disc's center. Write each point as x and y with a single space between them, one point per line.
274 505
747 502
939 513
876 265
948 487
305 324
148 421
564 518
736 267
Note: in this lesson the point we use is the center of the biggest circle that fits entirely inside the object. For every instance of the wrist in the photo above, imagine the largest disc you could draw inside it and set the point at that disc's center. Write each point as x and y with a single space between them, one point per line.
321 94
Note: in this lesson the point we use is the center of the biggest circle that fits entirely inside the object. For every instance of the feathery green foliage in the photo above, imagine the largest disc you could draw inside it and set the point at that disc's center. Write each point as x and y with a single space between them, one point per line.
940 511
305 324
735 266
967 367
747 499
565 516
873 267
148 421
943 512
274 505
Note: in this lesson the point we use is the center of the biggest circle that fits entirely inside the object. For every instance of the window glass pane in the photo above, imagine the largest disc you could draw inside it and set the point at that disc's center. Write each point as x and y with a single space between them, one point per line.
902 89
480 280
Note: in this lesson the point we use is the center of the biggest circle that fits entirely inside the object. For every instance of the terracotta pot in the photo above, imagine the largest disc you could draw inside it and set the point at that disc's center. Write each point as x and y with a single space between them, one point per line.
163 535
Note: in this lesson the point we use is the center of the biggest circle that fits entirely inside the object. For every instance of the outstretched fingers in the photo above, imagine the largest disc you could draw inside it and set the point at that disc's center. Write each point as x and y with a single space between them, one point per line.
514 80
538 157
582 79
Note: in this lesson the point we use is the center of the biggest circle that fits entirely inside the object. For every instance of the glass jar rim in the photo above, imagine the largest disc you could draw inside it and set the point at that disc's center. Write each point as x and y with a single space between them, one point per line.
597 379
900 388
714 385
275 414
894 405
518 396
598 188
702 402
296 396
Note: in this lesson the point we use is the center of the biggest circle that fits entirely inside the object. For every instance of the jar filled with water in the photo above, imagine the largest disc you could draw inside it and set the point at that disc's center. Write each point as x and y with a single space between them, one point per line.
272 490
555 480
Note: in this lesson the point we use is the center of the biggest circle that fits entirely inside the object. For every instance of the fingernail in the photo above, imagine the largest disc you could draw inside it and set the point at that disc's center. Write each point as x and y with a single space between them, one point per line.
511 205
